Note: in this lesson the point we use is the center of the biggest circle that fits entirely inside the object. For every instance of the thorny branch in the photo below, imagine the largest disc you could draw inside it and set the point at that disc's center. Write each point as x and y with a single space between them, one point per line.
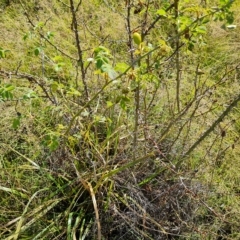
130 44
210 129
178 77
45 38
31 78
78 45
152 25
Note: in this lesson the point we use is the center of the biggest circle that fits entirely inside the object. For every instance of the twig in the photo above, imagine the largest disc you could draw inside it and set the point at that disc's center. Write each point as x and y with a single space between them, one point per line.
152 25
79 4
30 78
210 129
42 36
178 77
78 45
104 87
137 90
19 65
64 4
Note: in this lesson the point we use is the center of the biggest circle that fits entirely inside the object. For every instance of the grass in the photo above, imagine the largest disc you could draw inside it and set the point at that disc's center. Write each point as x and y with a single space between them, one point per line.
76 168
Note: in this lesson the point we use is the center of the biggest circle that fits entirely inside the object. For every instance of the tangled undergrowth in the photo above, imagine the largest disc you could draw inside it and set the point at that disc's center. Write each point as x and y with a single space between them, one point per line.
107 137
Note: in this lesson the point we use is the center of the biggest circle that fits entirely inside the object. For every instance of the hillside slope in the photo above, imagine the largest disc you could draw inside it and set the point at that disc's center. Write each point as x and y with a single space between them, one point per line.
110 135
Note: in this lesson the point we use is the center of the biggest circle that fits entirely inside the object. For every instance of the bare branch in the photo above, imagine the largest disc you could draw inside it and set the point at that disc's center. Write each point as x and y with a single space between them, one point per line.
78 45
46 39
152 25
210 129
31 78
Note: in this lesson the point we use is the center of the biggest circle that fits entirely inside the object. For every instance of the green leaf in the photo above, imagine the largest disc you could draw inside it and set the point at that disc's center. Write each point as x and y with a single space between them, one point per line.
51 141
205 20
191 45
9 87
37 51
100 49
3 52
123 102
54 143
58 66
73 92
109 104
121 67
5 91
230 18
16 123
49 35
25 37
30 94
28 35
99 63
39 25
112 74
162 12
107 68
57 58
201 29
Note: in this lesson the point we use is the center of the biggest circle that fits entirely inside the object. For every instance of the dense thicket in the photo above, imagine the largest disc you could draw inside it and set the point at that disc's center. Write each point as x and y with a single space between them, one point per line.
119 119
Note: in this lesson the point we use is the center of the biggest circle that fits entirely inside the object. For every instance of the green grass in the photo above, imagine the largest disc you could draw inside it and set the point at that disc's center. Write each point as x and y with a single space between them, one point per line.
79 167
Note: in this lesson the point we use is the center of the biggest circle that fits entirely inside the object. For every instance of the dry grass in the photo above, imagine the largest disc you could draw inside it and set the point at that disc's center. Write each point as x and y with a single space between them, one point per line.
91 184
